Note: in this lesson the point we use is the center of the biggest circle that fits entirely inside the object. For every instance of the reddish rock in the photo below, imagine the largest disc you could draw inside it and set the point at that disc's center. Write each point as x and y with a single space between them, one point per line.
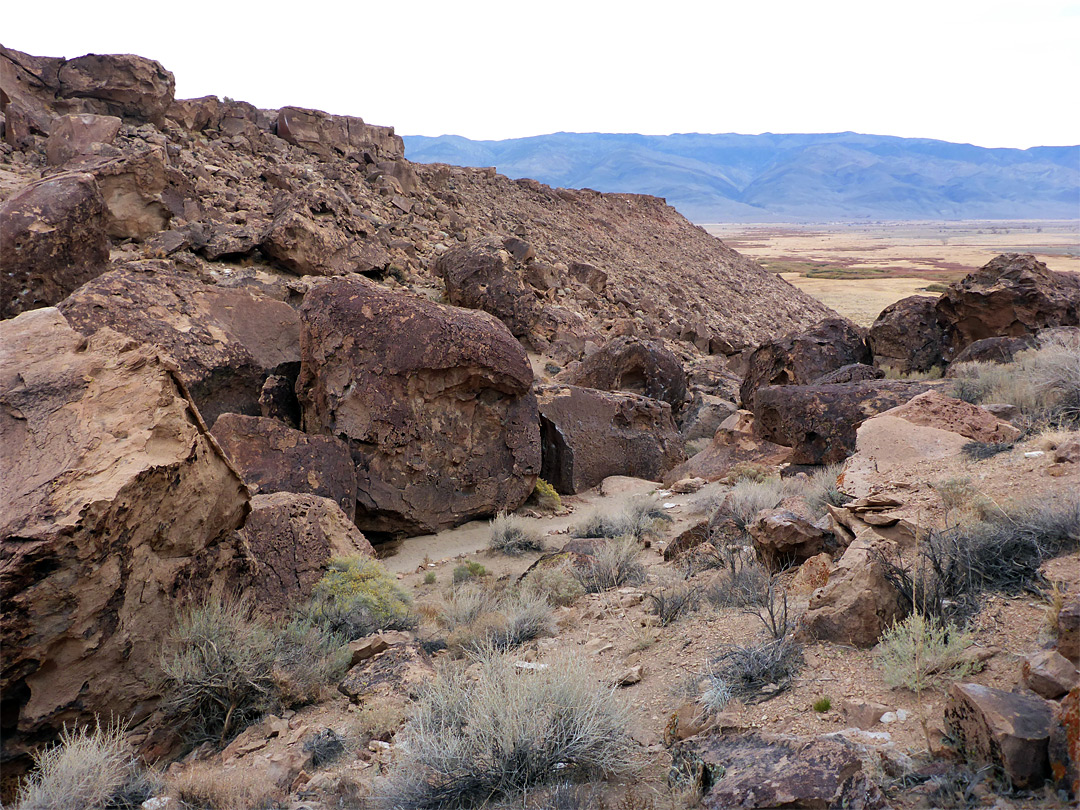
1064 746
483 275
588 435
733 443
1004 729
934 409
1049 674
688 540
855 372
52 240
1068 629
1011 296
133 187
802 357
402 669
292 537
73 136
435 403
28 82
703 416
907 337
589 275
819 422
122 84
272 457
635 365
224 341
994 350
344 135
782 537
118 510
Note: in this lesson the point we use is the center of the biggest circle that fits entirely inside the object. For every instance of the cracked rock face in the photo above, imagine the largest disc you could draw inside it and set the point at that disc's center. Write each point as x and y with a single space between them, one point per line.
434 402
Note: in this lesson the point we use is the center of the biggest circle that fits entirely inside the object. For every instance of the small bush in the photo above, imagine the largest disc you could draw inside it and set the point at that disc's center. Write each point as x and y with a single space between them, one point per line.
979 451
429 578
747 498
823 490
511 535
614 564
760 672
469 570
380 720
324 746
555 583
88 768
670 602
774 611
545 496
511 620
357 597
637 518
749 471
920 652
744 585
822 705
476 739
306 660
716 695
210 787
464 605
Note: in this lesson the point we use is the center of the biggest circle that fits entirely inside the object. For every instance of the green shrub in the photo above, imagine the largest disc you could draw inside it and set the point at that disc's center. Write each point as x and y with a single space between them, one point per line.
469 570
511 535
545 496
89 768
614 564
750 471
822 705
429 578
495 732
357 596
921 652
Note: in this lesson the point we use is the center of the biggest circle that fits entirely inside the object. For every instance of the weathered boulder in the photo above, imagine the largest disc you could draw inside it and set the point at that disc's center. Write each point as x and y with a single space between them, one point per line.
435 403
314 232
994 350
52 240
782 536
907 337
224 341
28 82
1011 296
292 537
857 604
934 409
327 135
703 416
482 274
1068 629
855 372
733 443
689 539
1004 729
121 84
73 136
1064 746
272 457
751 770
819 422
636 365
588 435
118 509
802 357
133 187
400 669
1050 674
277 400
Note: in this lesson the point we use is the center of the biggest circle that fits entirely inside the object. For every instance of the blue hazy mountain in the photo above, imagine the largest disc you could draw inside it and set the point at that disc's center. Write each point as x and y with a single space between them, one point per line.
743 178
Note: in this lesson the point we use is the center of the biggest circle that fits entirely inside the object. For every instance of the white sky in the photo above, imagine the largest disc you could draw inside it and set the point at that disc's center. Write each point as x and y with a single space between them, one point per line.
989 72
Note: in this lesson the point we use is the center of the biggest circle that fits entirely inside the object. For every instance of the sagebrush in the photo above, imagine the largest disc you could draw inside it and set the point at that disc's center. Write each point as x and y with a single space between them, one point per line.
513 535
921 652
616 562
638 518
357 597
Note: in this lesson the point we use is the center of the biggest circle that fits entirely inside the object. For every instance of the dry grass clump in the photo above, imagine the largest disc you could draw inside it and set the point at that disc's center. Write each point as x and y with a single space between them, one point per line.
556 583
639 517
669 602
958 494
744 584
210 787
823 490
615 563
748 498
495 733
90 768
756 673
921 652
357 597
512 535
545 497
477 618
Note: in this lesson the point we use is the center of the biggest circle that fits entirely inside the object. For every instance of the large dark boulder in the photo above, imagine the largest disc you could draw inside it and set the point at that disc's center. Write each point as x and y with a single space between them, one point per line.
635 365
484 274
819 422
994 349
52 240
272 457
1011 296
435 403
802 357
225 341
120 84
588 435
907 336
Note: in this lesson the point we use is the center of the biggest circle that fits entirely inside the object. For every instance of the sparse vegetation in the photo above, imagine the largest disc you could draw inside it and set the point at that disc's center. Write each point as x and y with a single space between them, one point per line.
744 584
749 471
556 583
324 746
669 602
637 518
717 693
933 373
774 611
979 451
614 564
210 787
545 497
921 652
747 498
477 618
960 494
357 596
511 535
501 732
469 570
823 490
89 768
759 672
822 705
429 578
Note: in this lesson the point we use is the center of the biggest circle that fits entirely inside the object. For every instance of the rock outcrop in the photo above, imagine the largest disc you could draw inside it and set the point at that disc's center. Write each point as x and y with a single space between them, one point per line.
907 337
638 366
588 435
118 509
435 403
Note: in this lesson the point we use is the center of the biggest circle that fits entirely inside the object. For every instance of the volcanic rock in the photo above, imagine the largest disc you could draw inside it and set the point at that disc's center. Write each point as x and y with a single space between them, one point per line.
52 240
588 435
329 135
994 350
934 409
120 84
1049 674
638 366
703 416
435 403
907 337
272 457
856 372
782 536
133 187
484 275
118 509
73 136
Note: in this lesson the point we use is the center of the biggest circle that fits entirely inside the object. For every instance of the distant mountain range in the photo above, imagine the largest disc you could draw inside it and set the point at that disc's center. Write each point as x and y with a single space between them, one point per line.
761 178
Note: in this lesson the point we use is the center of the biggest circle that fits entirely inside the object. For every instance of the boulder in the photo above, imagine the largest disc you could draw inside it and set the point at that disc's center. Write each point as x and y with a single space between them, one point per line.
277 400
934 409
907 337
482 274
314 232
28 82
1068 629
1011 296
1049 674
329 135
691 538
752 770
819 422
782 537
52 240
118 510
733 443
588 435
703 416
73 136
994 350
1064 746
802 357
121 84
635 365
133 187
1004 729
224 341
400 669
435 403
272 457
857 604
855 372
292 537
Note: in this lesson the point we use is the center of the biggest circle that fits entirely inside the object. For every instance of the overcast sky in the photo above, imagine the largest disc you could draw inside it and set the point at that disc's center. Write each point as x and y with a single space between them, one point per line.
989 72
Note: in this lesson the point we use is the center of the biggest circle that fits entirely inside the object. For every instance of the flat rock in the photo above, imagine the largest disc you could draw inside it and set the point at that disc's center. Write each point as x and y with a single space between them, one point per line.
934 409
73 136
1049 674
